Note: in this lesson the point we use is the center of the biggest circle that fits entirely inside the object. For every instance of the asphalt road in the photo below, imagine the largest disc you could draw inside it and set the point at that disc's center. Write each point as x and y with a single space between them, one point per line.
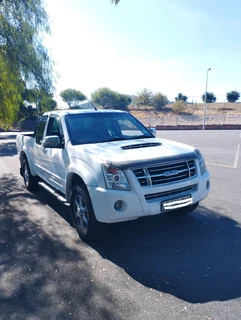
164 267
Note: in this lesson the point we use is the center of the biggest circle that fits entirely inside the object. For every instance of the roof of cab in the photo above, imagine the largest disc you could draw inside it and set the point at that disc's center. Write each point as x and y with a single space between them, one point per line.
78 111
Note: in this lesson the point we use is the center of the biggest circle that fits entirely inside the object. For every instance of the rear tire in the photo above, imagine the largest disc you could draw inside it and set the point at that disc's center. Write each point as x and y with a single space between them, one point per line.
83 216
30 181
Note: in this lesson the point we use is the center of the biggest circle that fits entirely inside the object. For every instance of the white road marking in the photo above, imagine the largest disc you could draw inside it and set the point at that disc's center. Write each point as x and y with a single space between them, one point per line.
235 165
213 134
220 165
236 157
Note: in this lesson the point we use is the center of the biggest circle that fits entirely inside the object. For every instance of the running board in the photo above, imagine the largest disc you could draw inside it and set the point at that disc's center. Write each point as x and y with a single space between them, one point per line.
53 192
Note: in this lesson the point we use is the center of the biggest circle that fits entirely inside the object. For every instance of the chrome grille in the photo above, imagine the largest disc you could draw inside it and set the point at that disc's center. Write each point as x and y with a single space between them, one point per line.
180 191
165 173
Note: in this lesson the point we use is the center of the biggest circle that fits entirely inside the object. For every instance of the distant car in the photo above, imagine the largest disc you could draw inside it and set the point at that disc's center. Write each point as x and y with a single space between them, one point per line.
110 168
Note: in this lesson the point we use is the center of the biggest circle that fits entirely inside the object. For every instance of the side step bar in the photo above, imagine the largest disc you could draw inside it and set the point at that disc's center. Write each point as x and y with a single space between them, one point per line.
55 193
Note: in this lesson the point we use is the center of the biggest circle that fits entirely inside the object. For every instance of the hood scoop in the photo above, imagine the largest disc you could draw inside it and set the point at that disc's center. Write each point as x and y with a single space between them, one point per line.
141 145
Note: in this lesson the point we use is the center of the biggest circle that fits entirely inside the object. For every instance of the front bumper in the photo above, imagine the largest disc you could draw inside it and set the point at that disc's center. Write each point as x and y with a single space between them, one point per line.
135 203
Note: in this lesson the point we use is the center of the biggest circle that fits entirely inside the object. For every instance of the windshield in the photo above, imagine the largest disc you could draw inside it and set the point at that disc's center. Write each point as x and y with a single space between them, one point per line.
102 127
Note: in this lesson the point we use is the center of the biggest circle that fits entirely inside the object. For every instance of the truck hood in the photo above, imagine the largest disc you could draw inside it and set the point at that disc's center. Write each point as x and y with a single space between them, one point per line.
131 153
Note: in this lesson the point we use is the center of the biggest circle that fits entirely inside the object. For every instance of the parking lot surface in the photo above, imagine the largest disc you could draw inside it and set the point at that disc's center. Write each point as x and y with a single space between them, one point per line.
161 267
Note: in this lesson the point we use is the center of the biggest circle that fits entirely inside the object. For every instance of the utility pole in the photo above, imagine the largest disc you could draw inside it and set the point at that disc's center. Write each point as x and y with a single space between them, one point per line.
205 100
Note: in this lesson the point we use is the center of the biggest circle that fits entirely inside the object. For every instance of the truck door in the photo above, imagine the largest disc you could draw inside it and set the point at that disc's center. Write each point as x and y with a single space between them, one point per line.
56 158
38 153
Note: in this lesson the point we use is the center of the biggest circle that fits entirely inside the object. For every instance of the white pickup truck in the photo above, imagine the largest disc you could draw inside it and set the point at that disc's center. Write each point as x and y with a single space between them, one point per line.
110 168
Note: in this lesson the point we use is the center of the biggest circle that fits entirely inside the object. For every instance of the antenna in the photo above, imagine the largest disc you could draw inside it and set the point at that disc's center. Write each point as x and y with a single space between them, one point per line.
92 104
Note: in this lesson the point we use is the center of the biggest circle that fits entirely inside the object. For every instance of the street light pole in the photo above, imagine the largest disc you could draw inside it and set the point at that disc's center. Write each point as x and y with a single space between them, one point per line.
204 109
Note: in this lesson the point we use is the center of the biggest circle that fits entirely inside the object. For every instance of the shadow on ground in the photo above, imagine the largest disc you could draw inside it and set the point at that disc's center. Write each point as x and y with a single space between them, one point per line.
42 275
196 257
8 149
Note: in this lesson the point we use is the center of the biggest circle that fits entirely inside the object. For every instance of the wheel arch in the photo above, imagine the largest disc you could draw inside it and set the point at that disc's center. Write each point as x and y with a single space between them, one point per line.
72 179
26 155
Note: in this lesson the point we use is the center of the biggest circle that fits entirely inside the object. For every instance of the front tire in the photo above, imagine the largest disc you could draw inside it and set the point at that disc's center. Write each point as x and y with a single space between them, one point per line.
29 180
83 215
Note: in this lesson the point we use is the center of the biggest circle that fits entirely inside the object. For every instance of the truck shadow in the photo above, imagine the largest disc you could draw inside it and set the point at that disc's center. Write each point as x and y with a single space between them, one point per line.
196 257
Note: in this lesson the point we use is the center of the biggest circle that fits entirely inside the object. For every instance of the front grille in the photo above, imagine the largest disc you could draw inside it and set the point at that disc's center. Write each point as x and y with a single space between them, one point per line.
165 173
164 194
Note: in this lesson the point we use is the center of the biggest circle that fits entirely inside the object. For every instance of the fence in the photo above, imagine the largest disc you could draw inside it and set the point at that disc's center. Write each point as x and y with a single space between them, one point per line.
192 120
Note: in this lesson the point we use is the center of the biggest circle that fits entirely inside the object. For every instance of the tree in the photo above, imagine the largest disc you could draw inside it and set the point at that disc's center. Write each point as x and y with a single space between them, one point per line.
22 24
144 97
182 97
159 100
233 96
210 97
11 88
45 101
179 106
109 99
115 2
122 101
22 55
72 97
42 100
105 97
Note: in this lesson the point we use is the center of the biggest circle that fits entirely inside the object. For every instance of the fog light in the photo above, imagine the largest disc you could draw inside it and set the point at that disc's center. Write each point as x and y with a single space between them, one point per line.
118 205
208 184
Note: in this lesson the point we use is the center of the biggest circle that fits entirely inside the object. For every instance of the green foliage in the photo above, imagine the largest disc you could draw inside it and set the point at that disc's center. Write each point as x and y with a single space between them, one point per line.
159 100
233 96
10 93
109 99
115 2
179 106
72 97
45 102
42 101
23 58
144 97
182 97
210 97
22 24
122 101
105 97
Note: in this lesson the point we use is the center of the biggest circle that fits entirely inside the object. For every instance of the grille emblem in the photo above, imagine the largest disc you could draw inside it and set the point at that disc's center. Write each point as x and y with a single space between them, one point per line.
170 173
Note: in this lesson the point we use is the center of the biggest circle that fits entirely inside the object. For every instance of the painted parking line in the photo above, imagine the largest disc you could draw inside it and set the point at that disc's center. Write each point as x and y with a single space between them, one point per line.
236 157
213 134
235 165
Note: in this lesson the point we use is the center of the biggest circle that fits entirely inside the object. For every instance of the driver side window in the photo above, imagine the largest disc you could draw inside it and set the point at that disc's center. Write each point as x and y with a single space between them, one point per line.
53 127
40 130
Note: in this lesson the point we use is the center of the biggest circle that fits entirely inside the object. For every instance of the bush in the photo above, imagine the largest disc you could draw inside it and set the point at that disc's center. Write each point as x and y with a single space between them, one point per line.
179 106
159 100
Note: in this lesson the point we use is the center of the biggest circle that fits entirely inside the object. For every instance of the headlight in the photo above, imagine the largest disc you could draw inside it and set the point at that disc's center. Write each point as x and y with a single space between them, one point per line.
115 178
201 162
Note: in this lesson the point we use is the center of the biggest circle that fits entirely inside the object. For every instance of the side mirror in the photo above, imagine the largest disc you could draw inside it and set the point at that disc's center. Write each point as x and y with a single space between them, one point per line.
153 131
52 142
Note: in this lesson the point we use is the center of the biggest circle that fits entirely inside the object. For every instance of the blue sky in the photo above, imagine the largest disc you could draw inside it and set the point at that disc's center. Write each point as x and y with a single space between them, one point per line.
163 45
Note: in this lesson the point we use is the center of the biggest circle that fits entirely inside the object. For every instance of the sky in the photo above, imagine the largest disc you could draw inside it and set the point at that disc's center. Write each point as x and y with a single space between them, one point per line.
163 45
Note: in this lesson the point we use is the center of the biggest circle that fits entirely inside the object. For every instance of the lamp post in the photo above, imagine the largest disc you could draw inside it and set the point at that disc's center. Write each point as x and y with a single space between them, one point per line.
204 109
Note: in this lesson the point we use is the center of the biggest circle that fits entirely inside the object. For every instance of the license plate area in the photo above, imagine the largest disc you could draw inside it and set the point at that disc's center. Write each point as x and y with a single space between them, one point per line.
176 203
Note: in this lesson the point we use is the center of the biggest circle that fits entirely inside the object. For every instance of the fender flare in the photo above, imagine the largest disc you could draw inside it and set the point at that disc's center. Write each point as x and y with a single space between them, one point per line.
82 171
26 154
